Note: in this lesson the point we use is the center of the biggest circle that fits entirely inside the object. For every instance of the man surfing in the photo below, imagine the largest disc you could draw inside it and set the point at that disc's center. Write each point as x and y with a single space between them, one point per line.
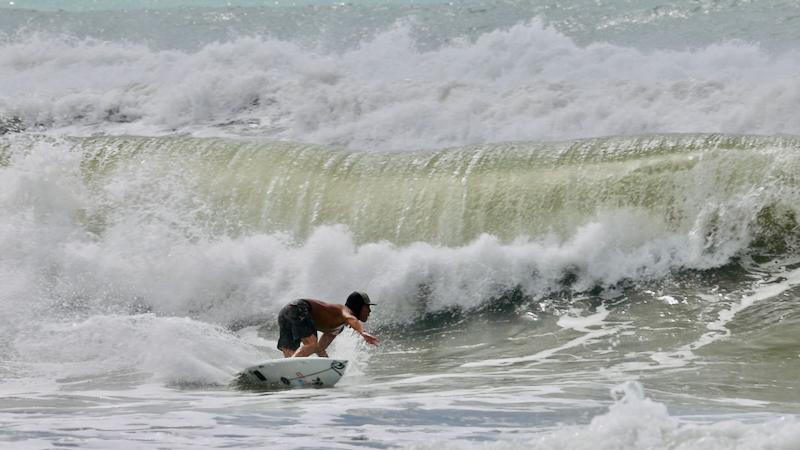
300 320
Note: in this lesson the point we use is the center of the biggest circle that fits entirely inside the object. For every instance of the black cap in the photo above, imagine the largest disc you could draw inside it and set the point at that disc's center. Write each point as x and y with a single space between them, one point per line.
356 301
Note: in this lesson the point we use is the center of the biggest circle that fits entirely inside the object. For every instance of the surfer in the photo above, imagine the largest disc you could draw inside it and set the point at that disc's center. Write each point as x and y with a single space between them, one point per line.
300 320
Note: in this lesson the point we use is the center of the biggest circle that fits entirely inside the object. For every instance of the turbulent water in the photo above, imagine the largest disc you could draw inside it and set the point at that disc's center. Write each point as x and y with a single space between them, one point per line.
579 221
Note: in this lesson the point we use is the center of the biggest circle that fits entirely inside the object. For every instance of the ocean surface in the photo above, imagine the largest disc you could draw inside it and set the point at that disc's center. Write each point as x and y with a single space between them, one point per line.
579 220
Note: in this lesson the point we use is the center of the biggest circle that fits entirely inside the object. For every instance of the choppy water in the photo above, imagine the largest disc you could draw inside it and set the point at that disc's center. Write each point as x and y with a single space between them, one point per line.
579 221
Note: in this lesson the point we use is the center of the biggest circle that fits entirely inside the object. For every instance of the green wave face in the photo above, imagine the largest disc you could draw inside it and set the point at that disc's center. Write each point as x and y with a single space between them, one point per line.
717 187
675 183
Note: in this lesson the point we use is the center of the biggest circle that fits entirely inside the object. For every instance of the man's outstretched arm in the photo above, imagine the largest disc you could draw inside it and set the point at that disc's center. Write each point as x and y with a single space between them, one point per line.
356 325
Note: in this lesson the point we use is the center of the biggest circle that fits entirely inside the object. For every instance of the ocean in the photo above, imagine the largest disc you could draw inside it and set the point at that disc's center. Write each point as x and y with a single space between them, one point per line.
578 219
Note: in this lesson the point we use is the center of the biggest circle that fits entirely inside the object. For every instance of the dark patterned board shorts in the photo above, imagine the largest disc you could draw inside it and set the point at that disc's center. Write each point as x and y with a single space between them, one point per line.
295 323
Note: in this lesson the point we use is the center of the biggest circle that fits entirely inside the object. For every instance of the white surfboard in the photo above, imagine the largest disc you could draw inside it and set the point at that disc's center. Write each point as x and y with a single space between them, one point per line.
292 373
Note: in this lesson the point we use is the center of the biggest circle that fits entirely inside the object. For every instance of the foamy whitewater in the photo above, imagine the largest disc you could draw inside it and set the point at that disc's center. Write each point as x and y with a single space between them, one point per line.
579 221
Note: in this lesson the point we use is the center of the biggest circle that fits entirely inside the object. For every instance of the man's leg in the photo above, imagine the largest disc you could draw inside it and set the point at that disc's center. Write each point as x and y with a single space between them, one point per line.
309 346
324 342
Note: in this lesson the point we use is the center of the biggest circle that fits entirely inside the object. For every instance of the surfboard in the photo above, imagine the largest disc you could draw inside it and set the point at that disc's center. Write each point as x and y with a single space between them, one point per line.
290 373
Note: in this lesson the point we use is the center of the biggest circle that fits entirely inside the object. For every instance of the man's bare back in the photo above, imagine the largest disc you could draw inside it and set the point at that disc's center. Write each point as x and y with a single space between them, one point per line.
328 317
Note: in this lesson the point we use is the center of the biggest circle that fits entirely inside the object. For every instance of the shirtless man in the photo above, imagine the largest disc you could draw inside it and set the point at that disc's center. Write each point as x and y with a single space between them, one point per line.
300 320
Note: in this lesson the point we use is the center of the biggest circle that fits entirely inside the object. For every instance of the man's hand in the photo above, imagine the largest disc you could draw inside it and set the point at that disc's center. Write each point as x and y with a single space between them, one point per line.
322 354
369 338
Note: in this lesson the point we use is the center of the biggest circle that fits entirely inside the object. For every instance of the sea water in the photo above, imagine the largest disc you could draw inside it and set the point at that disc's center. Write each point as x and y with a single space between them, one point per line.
579 220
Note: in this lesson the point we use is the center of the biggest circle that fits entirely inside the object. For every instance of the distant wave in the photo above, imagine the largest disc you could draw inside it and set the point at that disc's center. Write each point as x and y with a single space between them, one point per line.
525 83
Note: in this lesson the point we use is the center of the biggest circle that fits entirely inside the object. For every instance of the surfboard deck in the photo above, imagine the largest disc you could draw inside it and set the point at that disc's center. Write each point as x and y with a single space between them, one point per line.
291 373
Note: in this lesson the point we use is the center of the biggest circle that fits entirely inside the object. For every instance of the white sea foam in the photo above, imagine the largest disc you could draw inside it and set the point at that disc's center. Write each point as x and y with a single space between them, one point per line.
584 325
162 349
